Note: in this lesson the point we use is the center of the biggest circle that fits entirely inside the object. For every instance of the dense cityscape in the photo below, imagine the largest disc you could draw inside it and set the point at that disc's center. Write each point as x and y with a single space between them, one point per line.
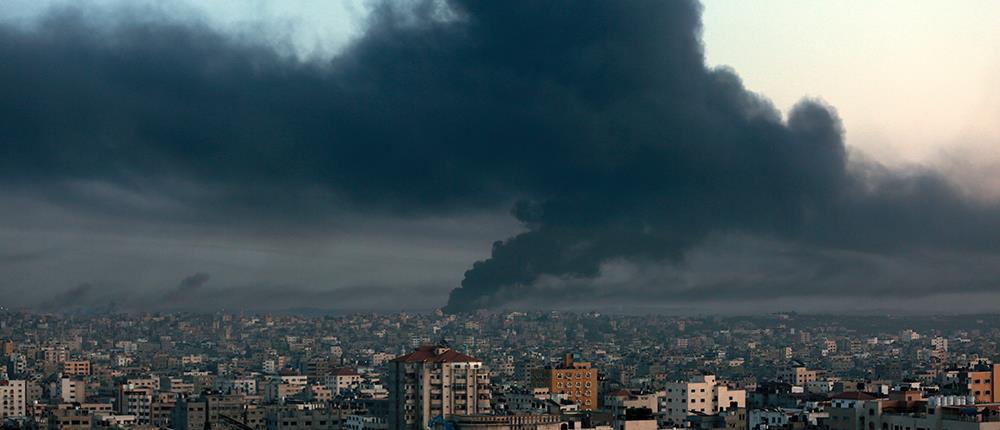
499 215
498 371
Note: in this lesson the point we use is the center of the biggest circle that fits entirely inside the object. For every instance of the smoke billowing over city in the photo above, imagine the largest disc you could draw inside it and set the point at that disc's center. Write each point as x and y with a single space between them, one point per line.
499 215
546 155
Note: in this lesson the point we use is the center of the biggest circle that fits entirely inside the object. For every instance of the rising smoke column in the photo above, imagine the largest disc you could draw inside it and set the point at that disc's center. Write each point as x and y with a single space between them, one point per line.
598 120
681 152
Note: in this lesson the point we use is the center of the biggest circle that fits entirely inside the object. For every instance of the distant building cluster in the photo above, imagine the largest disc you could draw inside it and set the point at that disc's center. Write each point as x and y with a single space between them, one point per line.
498 371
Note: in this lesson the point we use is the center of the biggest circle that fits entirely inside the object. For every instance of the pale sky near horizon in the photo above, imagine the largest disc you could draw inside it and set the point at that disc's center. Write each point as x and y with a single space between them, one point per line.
911 79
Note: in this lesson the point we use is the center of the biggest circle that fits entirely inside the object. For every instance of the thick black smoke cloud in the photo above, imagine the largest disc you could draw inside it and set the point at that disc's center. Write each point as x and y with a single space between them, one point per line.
598 121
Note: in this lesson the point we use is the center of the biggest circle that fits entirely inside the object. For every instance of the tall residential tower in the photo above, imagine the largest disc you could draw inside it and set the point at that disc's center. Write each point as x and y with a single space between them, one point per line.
435 381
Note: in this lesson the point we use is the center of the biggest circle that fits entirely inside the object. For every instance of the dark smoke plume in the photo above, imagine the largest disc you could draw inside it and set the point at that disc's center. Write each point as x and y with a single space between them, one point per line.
187 288
71 298
598 120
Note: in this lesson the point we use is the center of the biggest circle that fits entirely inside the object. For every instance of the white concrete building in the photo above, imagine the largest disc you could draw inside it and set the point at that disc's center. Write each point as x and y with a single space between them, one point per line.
701 394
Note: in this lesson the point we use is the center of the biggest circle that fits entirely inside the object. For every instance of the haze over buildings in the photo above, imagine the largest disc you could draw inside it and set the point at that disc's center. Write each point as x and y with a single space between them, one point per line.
499 215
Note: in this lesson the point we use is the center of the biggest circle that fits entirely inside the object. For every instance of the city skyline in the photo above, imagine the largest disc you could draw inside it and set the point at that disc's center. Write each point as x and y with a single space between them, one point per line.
543 370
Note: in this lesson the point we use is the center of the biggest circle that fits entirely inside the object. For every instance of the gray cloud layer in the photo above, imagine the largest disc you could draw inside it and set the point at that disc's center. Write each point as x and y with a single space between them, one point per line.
597 121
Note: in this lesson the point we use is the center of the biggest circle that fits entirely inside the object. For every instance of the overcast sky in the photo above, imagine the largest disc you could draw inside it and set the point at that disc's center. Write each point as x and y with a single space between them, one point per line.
361 155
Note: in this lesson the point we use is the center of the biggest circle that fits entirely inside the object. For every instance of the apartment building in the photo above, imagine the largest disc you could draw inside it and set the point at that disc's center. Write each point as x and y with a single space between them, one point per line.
341 380
797 374
217 411
435 381
136 401
507 422
189 414
280 389
114 421
363 422
54 354
982 384
76 368
12 399
858 411
577 380
729 419
161 410
72 390
69 418
701 394
633 411
847 410
244 386
303 419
